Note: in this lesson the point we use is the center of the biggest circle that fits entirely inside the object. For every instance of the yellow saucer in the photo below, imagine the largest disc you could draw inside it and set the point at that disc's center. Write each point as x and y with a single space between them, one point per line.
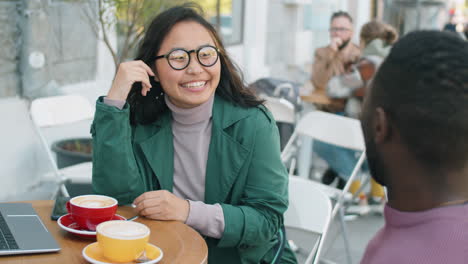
92 253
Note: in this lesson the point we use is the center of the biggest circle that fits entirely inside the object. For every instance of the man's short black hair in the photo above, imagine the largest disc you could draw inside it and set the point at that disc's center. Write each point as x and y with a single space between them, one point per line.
423 86
341 14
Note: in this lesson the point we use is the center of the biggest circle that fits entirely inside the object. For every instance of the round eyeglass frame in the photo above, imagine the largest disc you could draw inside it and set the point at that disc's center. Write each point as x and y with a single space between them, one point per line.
197 51
339 29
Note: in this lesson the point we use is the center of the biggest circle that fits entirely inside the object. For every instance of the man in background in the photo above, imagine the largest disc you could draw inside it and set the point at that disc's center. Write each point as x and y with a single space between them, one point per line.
329 61
336 58
415 126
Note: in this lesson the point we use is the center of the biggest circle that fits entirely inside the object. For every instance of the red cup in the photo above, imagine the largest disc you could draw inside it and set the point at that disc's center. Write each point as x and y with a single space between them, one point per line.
88 211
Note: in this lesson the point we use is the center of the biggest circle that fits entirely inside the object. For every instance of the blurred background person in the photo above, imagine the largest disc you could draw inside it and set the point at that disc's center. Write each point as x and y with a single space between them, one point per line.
376 39
332 60
336 58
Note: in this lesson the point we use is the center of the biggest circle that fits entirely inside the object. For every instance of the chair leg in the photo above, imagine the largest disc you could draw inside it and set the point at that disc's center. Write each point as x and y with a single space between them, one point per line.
345 236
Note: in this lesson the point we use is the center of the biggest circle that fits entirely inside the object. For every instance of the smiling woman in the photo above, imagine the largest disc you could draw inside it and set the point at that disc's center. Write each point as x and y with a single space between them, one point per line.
188 83
181 137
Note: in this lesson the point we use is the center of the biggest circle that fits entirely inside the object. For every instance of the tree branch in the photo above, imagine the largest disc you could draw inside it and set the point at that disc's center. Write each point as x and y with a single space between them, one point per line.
90 19
136 39
106 39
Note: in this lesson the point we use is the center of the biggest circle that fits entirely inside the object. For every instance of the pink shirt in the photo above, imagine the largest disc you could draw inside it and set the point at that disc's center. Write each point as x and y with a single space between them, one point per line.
438 235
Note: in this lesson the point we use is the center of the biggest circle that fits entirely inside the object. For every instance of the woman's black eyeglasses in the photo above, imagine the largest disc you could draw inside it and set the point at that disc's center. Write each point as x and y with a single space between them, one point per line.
179 59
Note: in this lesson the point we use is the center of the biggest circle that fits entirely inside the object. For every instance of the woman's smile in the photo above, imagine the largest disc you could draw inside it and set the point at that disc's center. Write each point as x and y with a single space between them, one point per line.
194 86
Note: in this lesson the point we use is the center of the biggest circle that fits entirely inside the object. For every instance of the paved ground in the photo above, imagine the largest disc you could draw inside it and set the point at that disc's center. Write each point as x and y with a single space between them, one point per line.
360 232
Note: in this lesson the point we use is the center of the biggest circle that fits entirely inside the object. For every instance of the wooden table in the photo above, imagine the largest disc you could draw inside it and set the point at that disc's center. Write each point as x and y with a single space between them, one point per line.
316 97
179 242
323 102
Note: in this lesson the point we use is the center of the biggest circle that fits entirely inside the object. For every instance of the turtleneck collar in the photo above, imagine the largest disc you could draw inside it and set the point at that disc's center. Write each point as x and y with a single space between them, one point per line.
188 116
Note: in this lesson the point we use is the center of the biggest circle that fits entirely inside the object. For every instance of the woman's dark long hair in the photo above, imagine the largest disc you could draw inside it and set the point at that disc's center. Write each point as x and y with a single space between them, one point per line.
147 109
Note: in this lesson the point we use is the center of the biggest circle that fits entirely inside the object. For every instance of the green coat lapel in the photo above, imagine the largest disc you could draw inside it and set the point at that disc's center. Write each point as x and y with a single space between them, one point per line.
159 152
226 155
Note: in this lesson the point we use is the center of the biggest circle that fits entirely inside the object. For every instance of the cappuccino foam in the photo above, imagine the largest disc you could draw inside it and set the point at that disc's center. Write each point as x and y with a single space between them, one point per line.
123 229
92 201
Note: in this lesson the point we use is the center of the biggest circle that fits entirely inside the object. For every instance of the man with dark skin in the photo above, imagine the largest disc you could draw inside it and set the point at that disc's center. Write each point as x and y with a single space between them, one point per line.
415 123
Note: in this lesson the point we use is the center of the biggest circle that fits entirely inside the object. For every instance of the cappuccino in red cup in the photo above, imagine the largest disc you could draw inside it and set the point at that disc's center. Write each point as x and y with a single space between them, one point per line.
93 201
90 210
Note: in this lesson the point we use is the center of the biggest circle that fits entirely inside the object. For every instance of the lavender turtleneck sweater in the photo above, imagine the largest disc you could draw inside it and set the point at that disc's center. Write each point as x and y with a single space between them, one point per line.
191 129
438 235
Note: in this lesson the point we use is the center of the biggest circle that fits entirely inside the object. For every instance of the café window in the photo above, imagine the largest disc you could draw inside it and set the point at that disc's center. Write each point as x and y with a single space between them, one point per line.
227 17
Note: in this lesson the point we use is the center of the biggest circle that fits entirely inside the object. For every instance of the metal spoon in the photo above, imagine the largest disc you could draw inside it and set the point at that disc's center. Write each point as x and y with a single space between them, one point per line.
142 258
132 218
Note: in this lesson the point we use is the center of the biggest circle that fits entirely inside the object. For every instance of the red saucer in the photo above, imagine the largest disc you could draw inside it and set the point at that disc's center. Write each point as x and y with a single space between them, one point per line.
66 223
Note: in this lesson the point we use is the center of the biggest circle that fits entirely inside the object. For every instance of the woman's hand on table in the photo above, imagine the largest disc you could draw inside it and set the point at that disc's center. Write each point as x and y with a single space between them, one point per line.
162 205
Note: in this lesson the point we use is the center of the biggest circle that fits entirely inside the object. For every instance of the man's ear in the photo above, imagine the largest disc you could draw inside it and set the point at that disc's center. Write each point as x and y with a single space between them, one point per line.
382 127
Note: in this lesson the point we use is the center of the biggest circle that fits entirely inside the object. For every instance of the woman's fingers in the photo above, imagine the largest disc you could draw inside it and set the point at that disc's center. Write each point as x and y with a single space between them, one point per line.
144 78
144 196
146 68
161 205
141 75
154 210
127 74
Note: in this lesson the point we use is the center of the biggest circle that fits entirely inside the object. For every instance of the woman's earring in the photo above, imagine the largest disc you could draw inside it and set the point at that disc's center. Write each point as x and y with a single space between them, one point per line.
157 97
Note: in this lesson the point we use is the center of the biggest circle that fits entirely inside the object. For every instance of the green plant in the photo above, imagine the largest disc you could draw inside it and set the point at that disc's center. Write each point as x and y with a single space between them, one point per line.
78 145
129 18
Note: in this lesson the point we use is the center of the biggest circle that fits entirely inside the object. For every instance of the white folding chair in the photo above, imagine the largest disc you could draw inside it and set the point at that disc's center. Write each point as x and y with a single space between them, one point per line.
339 131
282 109
308 216
284 112
48 112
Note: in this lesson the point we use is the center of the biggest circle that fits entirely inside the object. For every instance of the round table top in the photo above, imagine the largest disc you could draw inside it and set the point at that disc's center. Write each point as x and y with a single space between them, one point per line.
179 242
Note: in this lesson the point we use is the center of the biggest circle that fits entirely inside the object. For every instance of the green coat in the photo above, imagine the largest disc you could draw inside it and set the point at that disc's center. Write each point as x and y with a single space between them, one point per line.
244 173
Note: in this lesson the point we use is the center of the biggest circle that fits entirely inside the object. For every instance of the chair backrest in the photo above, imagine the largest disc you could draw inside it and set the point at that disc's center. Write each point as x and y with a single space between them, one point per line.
282 109
333 129
60 110
57 111
309 209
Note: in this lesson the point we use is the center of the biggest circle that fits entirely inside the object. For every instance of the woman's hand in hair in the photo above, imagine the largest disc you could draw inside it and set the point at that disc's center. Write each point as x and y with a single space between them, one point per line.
162 205
129 73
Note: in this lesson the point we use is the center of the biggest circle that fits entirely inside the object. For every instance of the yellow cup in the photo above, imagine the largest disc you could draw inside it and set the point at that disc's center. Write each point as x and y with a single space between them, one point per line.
122 241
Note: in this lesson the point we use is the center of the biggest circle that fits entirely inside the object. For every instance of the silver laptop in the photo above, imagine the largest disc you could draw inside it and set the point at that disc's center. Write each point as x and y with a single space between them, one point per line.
22 231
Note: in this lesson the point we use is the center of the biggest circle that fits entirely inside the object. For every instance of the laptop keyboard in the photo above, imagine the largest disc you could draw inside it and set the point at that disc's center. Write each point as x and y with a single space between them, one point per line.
7 241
